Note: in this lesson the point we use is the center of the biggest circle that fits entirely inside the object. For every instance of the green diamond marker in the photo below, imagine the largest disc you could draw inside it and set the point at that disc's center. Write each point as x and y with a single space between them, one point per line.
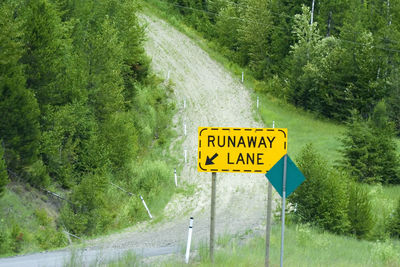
294 177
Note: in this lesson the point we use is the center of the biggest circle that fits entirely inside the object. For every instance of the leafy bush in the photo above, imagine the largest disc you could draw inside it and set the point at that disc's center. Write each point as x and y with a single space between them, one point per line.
48 237
322 198
394 227
4 240
88 214
360 211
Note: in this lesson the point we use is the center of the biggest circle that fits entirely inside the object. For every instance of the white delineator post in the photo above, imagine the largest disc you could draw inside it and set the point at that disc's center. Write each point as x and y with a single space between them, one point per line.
176 178
168 76
242 76
189 241
184 103
257 101
185 155
184 128
144 204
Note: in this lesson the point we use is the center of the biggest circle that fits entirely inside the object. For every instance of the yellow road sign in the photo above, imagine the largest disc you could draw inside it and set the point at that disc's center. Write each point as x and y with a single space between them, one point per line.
223 149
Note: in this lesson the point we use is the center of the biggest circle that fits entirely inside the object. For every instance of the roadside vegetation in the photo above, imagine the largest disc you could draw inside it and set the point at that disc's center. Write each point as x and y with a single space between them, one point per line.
81 113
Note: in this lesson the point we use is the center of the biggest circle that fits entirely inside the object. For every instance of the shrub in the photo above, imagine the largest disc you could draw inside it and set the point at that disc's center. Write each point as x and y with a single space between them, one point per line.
89 213
4 240
322 198
49 237
359 211
394 227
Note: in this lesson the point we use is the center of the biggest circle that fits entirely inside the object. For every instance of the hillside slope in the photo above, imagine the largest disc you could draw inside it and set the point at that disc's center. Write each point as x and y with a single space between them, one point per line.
212 98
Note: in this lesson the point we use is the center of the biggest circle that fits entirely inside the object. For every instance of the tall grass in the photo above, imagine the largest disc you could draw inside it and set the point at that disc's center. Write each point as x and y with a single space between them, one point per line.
304 246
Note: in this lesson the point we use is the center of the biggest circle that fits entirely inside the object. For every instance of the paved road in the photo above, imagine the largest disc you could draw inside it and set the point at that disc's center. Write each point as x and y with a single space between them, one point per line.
83 257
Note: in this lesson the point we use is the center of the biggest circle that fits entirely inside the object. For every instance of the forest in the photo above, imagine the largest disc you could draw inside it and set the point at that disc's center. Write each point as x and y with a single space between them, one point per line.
330 57
79 108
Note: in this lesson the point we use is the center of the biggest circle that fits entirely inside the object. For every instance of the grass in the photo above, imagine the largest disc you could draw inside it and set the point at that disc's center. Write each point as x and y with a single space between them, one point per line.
384 200
303 128
304 246
27 221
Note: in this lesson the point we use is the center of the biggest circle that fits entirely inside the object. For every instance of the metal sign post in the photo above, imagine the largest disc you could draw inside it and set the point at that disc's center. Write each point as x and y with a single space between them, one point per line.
212 222
283 205
269 215
285 177
248 150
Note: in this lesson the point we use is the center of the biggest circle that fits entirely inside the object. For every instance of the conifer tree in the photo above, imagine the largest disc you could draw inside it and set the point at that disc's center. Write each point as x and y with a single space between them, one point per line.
106 62
254 32
369 149
19 111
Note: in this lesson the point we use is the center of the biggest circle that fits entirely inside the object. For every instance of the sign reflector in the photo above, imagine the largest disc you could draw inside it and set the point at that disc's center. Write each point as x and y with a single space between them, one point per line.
223 149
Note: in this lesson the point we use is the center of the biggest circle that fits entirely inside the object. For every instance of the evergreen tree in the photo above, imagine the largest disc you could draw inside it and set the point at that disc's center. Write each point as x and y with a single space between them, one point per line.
106 62
356 151
47 53
254 33
370 149
228 21
307 37
19 111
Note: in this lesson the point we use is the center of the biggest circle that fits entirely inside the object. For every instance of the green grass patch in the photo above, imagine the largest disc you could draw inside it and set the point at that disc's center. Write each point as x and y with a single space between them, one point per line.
384 200
303 128
304 246
27 222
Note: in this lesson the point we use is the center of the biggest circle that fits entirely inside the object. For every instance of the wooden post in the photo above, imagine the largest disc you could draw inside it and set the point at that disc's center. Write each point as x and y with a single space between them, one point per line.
212 222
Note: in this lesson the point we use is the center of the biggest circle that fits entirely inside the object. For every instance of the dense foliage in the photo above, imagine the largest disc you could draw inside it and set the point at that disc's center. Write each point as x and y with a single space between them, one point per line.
337 57
78 106
369 149
322 198
3 172
395 222
330 199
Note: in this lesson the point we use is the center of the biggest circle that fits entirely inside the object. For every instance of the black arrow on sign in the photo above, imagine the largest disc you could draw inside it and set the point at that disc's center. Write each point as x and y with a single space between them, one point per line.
210 161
